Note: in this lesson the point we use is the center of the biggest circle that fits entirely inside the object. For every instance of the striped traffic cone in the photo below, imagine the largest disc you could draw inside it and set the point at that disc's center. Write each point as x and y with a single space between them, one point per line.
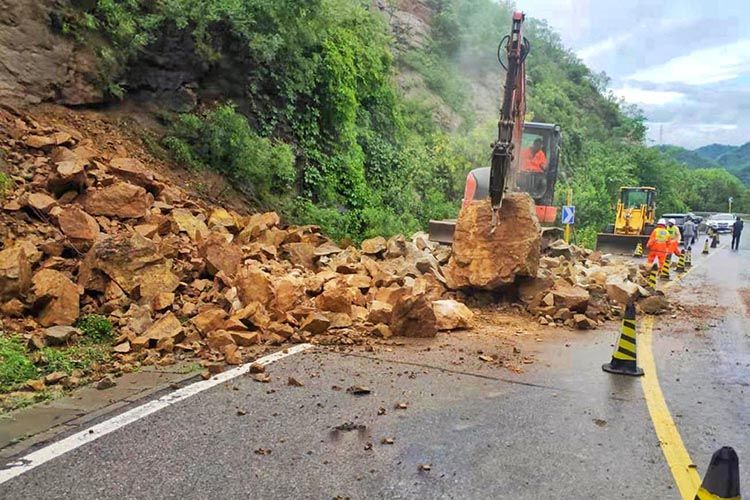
705 247
689 258
665 268
653 276
624 358
722 480
681 263
638 250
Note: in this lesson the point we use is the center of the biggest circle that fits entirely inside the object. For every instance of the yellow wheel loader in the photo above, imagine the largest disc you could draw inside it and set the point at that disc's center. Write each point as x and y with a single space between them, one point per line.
634 221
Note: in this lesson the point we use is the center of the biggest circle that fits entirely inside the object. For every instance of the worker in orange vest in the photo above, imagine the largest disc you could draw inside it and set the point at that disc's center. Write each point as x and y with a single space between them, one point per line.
533 158
658 243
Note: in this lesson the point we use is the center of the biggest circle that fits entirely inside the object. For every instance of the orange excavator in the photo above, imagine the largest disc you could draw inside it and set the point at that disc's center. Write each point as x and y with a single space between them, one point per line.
525 156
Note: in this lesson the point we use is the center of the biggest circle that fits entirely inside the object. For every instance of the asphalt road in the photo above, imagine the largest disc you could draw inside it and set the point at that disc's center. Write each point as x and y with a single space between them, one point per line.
561 429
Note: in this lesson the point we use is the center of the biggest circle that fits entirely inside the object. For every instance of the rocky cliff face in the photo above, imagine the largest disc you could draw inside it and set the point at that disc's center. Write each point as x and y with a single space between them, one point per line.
38 65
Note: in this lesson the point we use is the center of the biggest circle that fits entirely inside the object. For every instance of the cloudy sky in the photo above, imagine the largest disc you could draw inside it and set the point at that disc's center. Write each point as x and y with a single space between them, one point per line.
686 63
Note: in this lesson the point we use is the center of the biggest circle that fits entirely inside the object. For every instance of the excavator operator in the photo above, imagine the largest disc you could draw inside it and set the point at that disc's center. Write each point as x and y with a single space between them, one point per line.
533 158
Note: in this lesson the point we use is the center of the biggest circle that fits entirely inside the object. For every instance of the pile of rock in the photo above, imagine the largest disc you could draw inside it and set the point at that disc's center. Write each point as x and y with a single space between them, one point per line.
580 288
92 231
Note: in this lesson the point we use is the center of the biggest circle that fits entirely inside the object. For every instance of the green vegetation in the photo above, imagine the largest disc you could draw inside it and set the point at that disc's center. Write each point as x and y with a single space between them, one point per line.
18 364
320 131
15 366
95 328
6 185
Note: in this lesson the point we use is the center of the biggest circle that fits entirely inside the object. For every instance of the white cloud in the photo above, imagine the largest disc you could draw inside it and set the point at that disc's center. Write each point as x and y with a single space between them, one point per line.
701 67
604 46
636 95
693 135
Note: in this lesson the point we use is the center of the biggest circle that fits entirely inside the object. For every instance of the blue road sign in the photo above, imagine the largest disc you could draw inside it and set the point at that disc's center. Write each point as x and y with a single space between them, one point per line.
568 214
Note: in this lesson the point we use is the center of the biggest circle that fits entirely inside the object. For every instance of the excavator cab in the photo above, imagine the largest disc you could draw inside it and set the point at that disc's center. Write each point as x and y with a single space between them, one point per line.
539 184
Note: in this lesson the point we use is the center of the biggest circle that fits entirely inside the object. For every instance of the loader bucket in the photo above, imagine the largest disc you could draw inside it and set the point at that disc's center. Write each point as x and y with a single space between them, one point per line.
621 244
441 231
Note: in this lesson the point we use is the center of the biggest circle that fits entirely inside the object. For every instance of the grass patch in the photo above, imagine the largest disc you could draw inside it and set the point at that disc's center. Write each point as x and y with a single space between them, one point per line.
15 366
18 365
95 328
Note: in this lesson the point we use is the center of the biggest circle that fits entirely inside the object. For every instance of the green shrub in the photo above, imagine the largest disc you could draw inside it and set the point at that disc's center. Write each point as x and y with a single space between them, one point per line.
223 140
95 328
15 367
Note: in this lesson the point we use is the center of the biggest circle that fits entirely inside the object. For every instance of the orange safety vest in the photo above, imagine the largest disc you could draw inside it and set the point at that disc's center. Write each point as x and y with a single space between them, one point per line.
658 240
531 162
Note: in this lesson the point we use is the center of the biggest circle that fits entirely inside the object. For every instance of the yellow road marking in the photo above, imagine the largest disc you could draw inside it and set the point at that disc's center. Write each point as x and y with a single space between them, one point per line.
678 459
687 479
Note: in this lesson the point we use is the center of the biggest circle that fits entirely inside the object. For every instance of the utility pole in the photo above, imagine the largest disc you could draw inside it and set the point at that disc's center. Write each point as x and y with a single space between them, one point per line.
730 204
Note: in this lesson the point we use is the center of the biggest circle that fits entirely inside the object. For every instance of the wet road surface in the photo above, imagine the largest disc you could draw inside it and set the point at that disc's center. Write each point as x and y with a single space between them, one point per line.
561 429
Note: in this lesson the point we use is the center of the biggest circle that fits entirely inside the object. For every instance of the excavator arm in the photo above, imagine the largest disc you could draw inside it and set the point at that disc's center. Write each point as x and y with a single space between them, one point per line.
506 150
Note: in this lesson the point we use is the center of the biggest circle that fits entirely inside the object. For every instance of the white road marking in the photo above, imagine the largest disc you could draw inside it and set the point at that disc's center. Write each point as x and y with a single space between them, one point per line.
37 458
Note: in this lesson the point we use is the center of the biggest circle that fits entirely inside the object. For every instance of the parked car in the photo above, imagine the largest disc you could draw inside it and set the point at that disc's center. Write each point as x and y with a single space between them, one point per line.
679 219
721 223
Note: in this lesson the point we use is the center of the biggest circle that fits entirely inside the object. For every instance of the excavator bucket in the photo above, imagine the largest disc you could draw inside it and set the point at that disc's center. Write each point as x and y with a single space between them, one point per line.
441 231
621 244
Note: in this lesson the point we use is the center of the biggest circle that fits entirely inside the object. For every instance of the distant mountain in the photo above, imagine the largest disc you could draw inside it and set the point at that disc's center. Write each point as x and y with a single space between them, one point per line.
692 159
714 151
735 159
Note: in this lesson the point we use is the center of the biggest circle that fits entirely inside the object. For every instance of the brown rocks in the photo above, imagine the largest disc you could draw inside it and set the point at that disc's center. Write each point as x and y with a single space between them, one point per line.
80 228
162 301
413 316
451 315
168 327
132 170
316 324
656 304
339 299
41 202
132 262
68 175
374 246
209 320
15 273
488 260
572 297
59 335
220 255
245 339
56 298
254 285
189 223
121 199
380 312
621 291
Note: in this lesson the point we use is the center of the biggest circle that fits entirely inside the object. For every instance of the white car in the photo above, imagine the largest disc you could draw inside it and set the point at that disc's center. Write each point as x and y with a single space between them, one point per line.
721 223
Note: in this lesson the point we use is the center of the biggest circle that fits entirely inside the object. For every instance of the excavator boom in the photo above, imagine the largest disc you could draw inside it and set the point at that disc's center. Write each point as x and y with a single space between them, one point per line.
504 165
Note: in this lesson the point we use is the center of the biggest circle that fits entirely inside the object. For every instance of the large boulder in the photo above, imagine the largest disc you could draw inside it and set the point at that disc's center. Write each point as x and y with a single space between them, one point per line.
133 262
15 273
121 199
413 316
489 259
451 315
55 297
